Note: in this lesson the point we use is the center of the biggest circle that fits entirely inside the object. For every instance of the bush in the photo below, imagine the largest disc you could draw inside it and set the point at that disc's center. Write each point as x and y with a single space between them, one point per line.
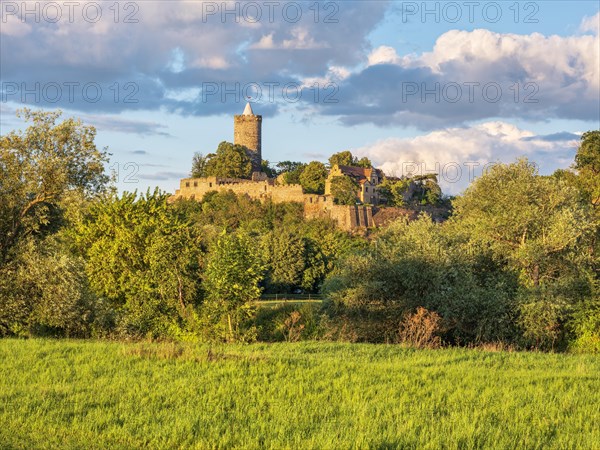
542 316
585 327
421 329
289 322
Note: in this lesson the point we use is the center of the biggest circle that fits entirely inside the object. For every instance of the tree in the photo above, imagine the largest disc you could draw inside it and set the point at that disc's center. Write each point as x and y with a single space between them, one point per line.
265 167
346 158
44 292
394 190
541 230
289 166
38 168
289 172
199 162
286 256
536 222
313 178
229 161
413 265
143 256
423 190
343 189
233 271
588 154
364 162
44 171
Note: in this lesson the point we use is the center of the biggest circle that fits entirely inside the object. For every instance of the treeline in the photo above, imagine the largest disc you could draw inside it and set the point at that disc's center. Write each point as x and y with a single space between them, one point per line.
517 263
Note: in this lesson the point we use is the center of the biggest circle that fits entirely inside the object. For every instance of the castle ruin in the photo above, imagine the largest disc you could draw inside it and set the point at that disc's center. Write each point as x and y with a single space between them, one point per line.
247 132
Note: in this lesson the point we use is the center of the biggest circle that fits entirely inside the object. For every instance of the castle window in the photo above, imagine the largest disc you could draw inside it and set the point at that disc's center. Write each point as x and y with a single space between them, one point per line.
209 184
195 184
366 189
187 184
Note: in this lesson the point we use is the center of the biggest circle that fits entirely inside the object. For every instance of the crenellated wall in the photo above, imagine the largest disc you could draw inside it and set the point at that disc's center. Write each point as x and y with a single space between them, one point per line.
197 187
315 206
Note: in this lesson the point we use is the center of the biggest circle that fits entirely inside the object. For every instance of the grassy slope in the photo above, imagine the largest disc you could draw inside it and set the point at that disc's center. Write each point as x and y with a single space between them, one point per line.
72 394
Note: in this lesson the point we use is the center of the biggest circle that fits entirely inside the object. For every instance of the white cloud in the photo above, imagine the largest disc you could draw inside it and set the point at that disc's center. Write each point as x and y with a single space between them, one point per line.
458 154
483 52
383 55
13 26
300 39
591 24
218 47
533 76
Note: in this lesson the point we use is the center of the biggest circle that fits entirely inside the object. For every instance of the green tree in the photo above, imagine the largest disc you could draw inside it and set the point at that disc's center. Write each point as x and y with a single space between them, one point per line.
289 172
266 168
418 264
535 222
394 190
364 162
233 272
38 169
541 230
313 178
346 158
143 256
48 173
286 260
229 161
344 189
44 291
199 162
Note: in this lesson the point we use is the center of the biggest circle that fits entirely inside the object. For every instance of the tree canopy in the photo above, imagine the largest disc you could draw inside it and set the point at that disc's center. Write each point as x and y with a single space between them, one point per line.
346 158
313 178
39 168
229 161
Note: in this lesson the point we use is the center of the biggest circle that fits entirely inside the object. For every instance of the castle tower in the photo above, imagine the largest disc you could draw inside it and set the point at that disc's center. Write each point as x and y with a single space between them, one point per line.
247 132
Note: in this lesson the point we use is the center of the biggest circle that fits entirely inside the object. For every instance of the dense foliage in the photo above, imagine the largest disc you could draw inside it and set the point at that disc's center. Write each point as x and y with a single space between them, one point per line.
229 161
518 262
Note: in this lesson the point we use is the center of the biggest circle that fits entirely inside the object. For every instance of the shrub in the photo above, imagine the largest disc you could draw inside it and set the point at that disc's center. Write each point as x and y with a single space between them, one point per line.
585 326
421 329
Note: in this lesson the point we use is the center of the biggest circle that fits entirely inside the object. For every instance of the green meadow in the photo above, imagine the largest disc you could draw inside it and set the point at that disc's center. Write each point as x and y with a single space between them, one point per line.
86 394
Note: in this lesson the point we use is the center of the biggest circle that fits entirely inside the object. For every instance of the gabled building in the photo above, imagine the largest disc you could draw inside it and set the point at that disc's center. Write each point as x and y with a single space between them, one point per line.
367 179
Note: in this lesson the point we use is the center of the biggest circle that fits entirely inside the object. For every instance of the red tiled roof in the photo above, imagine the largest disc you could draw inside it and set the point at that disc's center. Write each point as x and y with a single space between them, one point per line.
357 172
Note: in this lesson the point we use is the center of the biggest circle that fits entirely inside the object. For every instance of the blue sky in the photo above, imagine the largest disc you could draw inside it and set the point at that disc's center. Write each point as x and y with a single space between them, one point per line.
449 91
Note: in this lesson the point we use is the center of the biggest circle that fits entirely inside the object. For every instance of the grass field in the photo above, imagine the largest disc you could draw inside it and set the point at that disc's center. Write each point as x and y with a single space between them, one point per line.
75 394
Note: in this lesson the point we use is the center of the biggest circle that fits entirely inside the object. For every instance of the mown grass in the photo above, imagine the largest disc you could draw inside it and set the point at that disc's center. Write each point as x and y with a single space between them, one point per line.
75 394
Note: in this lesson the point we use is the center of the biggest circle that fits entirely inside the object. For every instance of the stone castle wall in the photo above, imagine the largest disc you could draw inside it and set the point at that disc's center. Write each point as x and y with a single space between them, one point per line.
197 187
247 131
315 206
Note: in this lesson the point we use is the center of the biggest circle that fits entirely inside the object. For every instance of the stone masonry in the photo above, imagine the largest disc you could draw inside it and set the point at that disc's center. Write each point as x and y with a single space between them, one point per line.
247 132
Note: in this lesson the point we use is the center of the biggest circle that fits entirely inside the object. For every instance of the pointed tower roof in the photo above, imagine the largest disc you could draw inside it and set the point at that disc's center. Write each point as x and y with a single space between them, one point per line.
248 110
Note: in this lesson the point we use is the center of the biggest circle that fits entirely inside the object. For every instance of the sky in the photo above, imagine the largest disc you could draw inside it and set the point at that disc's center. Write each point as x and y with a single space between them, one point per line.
418 87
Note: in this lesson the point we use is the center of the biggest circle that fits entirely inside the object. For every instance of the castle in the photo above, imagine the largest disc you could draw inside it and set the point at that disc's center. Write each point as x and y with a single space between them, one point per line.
248 132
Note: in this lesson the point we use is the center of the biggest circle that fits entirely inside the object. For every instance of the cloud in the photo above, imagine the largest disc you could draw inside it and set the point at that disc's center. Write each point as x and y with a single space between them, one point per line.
383 55
13 26
163 176
459 154
556 137
121 125
475 75
165 47
591 24
162 60
139 152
